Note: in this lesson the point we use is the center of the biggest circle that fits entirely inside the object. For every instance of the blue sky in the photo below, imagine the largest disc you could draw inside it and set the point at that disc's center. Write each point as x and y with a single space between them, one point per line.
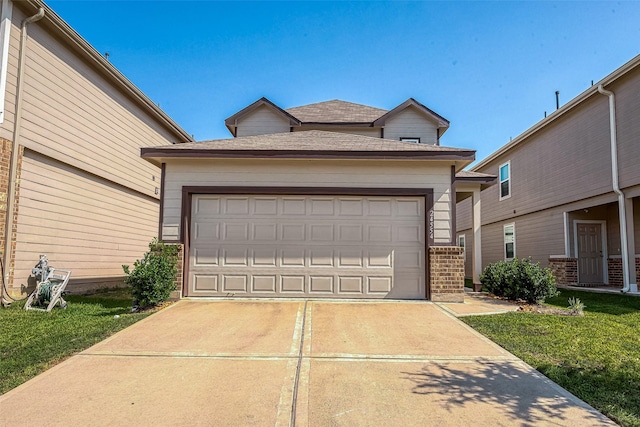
491 68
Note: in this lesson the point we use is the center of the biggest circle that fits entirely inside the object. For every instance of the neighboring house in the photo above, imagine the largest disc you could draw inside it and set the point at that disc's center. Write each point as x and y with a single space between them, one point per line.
72 184
563 199
327 200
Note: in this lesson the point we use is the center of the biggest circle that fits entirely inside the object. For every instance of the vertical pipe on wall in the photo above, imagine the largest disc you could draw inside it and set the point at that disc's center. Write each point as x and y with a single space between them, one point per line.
624 241
13 164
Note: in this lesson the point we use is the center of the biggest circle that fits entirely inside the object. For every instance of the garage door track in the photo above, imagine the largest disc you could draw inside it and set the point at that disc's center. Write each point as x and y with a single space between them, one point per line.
302 363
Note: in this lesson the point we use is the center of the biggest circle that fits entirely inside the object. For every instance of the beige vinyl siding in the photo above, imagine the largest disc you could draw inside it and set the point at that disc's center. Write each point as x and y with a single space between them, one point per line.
263 120
80 221
6 128
537 235
468 260
410 123
308 173
463 214
627 92
73 114
567 161
374 132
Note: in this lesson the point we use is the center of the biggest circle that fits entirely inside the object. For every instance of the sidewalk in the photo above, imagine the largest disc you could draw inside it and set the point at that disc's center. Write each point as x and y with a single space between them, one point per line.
478 303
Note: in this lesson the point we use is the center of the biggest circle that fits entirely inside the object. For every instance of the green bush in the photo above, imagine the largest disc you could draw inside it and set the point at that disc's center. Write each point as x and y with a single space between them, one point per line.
519 279
153 277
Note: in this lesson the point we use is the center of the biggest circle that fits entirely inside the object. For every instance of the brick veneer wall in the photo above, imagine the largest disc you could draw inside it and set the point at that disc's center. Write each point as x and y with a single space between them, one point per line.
565 270
614 267
5 160
177 294
446 273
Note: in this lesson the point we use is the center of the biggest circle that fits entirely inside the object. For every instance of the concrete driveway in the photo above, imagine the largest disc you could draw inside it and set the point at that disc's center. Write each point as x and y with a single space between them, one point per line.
303 363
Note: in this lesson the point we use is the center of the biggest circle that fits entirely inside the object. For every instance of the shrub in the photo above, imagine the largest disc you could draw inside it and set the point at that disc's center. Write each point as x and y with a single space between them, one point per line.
519 279
153 277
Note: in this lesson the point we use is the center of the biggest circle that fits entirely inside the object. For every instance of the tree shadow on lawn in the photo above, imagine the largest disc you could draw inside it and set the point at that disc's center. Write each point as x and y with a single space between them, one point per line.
517 393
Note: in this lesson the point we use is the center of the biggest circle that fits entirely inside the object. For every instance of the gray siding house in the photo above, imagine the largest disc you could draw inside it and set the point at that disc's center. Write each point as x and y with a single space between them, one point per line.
328 200
568 192
72 184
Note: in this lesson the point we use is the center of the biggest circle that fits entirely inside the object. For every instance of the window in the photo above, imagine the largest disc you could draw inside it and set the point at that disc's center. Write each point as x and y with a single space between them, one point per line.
412 139
462 244
505 180
509 241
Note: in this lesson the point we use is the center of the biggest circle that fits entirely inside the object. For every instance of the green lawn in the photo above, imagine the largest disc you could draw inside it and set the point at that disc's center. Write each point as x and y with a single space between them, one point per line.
33 341
596 356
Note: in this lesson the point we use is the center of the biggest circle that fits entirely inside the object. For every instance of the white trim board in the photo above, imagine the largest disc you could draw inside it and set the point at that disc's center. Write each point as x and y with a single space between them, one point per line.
5 36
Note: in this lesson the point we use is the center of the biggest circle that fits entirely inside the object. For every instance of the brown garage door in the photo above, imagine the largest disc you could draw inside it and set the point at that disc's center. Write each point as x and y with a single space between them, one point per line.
307 246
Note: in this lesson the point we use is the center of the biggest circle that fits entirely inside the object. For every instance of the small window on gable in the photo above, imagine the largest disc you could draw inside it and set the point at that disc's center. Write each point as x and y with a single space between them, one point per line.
412 139
509 241
462 244
505 180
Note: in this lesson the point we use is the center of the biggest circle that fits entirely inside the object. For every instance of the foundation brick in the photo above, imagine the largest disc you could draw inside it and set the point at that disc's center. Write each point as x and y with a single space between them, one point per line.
446 273
177 294
565 270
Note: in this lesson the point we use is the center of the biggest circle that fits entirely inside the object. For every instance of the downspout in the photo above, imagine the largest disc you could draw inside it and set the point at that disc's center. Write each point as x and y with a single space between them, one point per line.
616 188
13 165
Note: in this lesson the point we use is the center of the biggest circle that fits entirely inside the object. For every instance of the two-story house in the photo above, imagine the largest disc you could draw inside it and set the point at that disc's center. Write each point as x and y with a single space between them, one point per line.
569 189
72 184
332 199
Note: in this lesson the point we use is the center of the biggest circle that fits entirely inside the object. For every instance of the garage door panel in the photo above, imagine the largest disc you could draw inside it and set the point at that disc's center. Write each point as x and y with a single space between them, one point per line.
205 283
292 284
264 284
307 246
351 285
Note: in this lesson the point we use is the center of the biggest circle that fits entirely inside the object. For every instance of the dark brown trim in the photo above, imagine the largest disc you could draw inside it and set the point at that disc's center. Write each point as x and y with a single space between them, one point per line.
481 179
381 120
189 191
349 124
429 231
163 168
453 205
185 234
160 152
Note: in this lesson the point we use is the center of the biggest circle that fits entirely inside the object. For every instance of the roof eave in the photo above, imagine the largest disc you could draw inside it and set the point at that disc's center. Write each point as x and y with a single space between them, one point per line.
160 153
441 121
232 120
79 43
593 90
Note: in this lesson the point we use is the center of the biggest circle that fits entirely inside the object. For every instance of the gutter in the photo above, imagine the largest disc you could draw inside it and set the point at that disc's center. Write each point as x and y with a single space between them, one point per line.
624 243
15 149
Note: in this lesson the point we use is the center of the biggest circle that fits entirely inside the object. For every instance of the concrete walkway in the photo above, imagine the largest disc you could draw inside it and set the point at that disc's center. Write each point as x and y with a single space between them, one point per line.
479 303
302 363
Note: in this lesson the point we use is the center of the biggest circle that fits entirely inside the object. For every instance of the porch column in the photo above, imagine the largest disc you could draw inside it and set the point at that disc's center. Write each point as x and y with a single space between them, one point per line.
476 261
631 261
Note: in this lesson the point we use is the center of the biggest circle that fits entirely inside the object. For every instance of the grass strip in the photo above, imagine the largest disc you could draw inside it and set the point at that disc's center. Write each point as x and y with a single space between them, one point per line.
33 341
596 356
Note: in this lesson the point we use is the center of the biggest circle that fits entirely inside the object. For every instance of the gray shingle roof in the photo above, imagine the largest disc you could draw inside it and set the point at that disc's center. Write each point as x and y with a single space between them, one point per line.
475 176
335 111
312 143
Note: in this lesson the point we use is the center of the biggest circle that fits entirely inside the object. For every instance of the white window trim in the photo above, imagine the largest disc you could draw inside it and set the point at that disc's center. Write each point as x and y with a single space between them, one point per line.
464 246
412 139
508 163
5 36
504 243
